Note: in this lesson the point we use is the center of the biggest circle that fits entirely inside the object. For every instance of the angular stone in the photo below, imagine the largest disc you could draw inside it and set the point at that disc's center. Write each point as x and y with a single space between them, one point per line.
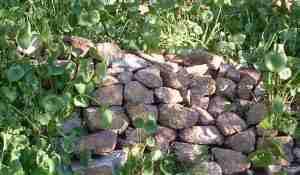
229 71
252 74
150 77
141 111
203 86
217 105
164 136
109 51
198 70
242 142
189 153
135 93
105 165
125 77
230 123
207 135
210 168
109 81
167 95
245 88
226 87
256 113
176 80
130 62
94 119
110 95
177 116
72 123
100 143
205 117
231 161
199 101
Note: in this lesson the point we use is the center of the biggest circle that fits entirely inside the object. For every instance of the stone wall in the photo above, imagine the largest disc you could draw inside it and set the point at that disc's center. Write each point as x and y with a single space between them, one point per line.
197 101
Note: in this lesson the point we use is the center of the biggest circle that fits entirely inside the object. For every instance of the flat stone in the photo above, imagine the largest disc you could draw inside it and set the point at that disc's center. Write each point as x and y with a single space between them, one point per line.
203 86
256 113
205 117
230 123
198 70
141 111
100 143
226 87
199 101
130 62
231 161
74 122
150 77
168 95
105 165
177 116
217 105
135 93
110 95
189 153
125 77
164 136
94 119
207 135
109 51
242 142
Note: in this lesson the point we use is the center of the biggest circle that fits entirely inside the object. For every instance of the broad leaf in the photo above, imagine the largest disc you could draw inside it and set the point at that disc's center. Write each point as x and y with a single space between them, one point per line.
24 36
80 87
106 117
15 73
285 73
275 62
81 101
52 103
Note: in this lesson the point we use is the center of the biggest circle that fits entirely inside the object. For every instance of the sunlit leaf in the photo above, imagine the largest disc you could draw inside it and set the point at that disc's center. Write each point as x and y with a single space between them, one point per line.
80 87
81 101
275 61
285 73
24 36
106 117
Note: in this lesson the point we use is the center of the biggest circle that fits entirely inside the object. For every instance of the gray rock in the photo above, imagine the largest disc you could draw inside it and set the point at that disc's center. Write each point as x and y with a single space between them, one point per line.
292 170
134 136
150 77
94 119
72 123
252 74
230 123
109 81
226 87
198 70
245 88
100 143
296 152
105 165
164 136
210 168
233 74
231 161
205 117
256 113
135 93
130 62
141 111
186 96
206 135
125 77
110 95
189 153
242 142
109 51
218 105
168 95
177 116
176 80
203 86
199 101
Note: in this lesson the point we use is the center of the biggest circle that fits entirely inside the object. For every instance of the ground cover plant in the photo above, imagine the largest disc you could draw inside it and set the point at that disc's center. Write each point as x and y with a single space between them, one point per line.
38 93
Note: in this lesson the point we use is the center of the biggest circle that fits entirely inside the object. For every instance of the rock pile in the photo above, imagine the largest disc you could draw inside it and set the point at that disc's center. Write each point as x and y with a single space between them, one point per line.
200 103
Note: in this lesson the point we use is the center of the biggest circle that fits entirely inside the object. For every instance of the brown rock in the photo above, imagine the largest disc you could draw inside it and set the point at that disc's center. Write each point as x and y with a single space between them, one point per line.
167 95
186 96
199 101
176 80
135 93
205 117
110 95
109 81
252 74
231 161
242 142
99 143
150 77
230 123
206 135
189 153
94 119
141 111
164 136
217 105
177 116
198 70
80 46
203 86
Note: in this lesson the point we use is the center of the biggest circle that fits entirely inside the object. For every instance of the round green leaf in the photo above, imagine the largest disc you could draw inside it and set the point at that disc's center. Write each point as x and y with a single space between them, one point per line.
15 73
89 18
275 62
285 73
52 103
106 118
